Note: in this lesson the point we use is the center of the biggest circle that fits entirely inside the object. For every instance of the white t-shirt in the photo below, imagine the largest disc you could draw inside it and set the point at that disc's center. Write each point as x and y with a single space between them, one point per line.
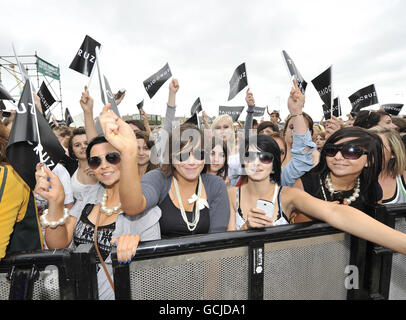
79 189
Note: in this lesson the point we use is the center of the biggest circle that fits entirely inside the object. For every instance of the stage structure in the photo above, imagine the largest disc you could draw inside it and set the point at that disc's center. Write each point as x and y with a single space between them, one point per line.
38 70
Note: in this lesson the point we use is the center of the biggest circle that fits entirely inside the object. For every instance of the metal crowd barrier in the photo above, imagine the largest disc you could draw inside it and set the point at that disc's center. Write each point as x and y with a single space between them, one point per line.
387 270
310 261
303 261
49 275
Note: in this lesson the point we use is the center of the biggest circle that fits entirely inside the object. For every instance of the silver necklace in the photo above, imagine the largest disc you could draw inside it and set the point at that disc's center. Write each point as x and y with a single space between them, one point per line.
107 211
330 187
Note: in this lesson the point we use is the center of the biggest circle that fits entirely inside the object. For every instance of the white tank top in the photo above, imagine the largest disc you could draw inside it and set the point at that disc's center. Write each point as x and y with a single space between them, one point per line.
400 196
239 220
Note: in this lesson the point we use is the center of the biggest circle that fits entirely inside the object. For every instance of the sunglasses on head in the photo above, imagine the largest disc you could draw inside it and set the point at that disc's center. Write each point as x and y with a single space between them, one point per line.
112 158
185 155
264 157
348 151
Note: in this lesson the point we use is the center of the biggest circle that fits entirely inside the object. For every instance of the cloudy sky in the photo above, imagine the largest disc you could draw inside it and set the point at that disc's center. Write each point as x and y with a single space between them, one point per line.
204 41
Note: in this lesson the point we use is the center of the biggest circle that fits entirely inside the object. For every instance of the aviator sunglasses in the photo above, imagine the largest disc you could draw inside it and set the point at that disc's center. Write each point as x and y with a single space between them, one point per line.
112 158
348 151
184 156
264 157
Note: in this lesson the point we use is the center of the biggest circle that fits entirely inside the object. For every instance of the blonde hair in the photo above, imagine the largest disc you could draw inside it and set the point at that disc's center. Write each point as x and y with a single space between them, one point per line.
230 120
397 164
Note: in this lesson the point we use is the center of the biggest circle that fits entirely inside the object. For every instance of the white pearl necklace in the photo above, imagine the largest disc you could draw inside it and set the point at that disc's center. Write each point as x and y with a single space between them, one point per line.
349 200
106 211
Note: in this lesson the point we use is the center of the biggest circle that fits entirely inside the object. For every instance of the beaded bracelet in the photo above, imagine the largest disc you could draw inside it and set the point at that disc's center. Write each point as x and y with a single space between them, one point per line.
54 224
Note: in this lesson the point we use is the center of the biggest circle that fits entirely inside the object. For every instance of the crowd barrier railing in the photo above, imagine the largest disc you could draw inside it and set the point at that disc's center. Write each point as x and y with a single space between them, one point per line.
49 275
304 261
387 269
310 261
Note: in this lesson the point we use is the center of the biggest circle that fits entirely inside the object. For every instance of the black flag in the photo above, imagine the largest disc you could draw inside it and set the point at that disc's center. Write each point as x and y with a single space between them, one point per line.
336 109
193 120
394 108
363 98
293 71
85 57
23 149
156 81
140 106
2 105
197 107
110 97
68 117
4 95
233 112
47 100
322 83
238 81
259 112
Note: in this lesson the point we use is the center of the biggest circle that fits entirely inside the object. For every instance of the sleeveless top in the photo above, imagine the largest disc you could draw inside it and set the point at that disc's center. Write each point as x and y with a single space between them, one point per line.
84 233
172 224
400 193
280 221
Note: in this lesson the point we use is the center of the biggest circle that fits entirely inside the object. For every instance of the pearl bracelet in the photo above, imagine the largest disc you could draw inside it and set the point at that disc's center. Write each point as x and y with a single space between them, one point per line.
54 224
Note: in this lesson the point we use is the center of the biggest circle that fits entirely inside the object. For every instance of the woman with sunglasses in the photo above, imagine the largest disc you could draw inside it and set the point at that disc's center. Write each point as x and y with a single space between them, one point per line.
393 176
260 182
191 202
103 211
350 164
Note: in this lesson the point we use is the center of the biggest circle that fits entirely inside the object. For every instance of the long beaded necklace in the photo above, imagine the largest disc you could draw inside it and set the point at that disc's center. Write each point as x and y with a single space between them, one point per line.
330 187
190 225
105 210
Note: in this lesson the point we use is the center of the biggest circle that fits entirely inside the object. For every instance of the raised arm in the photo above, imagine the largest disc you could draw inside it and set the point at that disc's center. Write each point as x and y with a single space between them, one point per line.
344 218
120 135
86 102
171 107
146 122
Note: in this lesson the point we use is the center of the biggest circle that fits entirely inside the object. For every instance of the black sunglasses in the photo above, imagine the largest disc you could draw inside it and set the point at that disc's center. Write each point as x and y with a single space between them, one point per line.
185 155
264 157
348 151
112 157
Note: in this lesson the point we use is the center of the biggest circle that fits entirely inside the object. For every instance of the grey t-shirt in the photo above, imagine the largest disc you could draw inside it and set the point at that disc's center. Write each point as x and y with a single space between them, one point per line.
155 188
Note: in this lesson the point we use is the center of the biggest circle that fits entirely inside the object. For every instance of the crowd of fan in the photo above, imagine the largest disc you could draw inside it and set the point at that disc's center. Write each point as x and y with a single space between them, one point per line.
133 184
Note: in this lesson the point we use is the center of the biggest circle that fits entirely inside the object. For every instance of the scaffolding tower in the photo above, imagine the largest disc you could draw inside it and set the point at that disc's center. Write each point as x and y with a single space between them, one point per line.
37 68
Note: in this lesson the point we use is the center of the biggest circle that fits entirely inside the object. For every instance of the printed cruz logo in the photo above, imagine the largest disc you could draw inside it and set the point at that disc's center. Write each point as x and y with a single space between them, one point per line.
325 91
365 97
86 55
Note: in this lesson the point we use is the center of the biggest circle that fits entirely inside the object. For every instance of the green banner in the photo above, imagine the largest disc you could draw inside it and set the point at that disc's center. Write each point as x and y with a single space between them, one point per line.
48 69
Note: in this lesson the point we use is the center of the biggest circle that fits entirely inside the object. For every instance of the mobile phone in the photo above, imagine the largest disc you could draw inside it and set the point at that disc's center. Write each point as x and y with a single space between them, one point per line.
120 93
266 206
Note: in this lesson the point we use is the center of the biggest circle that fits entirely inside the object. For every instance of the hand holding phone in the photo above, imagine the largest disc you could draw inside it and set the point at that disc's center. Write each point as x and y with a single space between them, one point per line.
266 206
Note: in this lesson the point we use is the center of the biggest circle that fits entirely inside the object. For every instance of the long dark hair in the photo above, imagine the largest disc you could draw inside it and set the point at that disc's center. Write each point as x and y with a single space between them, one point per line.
372 144
265 143
368 119
223 172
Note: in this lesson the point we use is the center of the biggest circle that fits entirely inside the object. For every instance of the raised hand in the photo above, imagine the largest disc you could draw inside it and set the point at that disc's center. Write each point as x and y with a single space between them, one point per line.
249 98
296 100
117 132
48 185
173 90
86 101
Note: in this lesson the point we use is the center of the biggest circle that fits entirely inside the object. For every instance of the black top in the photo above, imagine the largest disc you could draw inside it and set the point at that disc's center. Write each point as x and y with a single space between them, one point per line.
172 224
313 185
84 233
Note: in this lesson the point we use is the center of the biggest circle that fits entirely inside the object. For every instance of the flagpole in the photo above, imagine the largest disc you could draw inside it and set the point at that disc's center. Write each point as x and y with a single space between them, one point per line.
103 91
39 146
331 94
34 107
